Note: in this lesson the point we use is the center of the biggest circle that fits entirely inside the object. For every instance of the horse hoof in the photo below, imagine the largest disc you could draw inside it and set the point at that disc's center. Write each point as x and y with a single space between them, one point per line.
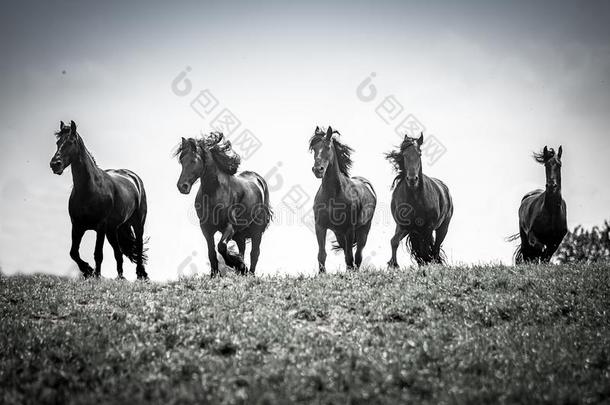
120 277
88 272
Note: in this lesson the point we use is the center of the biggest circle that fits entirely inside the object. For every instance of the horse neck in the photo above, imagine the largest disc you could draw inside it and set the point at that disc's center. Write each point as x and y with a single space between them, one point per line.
333 180
552 201
85 172
212 177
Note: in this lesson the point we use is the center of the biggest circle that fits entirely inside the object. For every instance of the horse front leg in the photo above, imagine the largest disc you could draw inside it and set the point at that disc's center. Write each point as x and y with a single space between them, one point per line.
98 254
348 250
77 237
321 237
209 239
230 259
241 247
399 234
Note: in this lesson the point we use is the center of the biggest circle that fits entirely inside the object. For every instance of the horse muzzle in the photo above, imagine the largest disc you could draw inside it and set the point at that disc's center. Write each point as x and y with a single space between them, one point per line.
318 172
56 166
412 181
184 188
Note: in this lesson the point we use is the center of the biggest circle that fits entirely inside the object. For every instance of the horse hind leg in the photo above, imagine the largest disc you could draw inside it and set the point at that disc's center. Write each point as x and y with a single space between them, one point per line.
112 237
138 229
98 254
255 251
138 220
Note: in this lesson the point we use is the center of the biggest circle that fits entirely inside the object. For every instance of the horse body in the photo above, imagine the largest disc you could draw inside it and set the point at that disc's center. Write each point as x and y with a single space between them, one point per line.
237 205
110 202
421 207
343 204
543 214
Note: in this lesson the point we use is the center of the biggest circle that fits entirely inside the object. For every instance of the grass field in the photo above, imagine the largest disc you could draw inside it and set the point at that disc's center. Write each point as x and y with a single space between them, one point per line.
537 334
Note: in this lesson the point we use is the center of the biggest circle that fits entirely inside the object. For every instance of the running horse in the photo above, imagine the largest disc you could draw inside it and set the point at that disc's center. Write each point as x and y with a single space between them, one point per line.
421 206
343 204
236 205
110 202
542 214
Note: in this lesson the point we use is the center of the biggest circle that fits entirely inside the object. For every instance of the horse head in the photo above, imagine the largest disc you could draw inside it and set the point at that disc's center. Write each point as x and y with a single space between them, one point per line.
552 165
411 160
67 147
190 155
321 145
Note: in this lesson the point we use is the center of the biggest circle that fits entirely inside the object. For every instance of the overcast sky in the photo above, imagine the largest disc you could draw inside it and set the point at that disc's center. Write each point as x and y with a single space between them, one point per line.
489 82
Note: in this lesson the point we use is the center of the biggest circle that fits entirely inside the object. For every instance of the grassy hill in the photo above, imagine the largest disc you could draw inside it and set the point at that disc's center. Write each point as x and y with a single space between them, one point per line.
537 334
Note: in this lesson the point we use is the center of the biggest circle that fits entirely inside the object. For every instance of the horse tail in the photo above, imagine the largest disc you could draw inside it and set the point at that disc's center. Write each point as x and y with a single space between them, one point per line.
518 255
421 250
127 243
441 257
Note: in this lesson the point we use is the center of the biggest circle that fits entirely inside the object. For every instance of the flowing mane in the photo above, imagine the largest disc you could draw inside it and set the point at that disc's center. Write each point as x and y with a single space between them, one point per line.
343 152
540 158
222 152
396 158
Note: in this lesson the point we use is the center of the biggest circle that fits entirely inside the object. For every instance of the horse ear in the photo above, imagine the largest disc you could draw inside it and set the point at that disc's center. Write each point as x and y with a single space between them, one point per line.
183 142
545 153
559 152
73 126
420 141
329 132
317 129
61 125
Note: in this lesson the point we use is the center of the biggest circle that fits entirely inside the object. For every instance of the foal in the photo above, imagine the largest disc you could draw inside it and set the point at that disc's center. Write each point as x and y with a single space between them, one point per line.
110 202
343 204
542 214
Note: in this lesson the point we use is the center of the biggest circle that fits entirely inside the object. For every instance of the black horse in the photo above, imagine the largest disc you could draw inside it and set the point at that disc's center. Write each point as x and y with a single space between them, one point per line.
542 214
421 206
110 202
343 204
235 205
